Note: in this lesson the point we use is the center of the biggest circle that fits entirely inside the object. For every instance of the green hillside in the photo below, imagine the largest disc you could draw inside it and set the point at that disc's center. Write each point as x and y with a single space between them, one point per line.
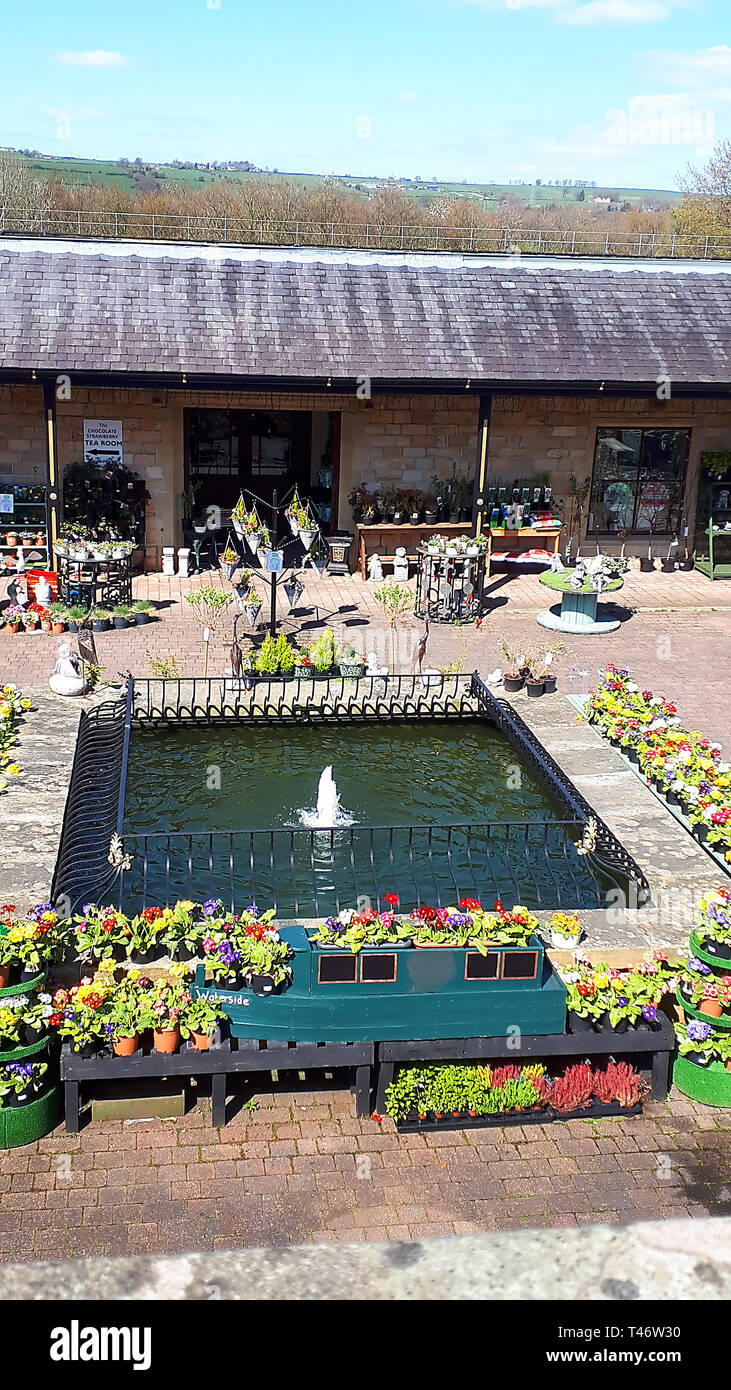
127 177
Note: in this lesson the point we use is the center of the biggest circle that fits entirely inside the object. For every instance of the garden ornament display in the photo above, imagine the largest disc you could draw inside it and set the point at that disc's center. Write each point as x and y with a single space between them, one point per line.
400 564
375 569
66 679
557 564
18 592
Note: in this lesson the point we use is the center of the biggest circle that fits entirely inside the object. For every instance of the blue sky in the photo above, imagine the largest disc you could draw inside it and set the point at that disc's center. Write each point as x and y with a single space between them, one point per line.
621 91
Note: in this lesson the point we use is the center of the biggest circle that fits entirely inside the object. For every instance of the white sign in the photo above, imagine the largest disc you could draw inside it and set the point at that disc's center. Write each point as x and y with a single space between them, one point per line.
103 442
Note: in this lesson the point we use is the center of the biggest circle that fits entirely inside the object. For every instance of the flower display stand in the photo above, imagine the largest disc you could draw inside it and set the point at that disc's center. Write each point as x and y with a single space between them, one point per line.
655 1044
22 1124
709 1084
578 612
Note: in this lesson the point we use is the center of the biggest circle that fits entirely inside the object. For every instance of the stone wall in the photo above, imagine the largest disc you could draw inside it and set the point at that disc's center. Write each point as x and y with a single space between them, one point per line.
398 441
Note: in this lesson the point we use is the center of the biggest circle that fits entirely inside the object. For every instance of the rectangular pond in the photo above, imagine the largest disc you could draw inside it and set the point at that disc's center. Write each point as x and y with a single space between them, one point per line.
429 810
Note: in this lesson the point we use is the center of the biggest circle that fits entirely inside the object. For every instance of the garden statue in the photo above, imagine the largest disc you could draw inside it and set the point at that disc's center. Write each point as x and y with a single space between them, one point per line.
400 565
557 564
372 667
66 679
168 560
18 592
375 569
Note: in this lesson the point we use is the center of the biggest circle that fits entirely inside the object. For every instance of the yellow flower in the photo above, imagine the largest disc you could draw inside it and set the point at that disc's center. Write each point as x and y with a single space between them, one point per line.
179 970
601 981
13 769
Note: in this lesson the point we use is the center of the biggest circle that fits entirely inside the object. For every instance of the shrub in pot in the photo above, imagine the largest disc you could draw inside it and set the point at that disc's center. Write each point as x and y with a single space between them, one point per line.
75 616
142 608
100 620
350 663
121 615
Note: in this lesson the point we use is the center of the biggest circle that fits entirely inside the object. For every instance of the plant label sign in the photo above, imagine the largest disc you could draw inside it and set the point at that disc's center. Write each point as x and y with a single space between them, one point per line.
103 442
7 502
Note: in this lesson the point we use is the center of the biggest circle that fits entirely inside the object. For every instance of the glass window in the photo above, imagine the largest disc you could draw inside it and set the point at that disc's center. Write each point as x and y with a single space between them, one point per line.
638 479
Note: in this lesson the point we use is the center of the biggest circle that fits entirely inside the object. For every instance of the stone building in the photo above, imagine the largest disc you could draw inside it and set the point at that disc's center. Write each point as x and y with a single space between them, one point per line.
232 367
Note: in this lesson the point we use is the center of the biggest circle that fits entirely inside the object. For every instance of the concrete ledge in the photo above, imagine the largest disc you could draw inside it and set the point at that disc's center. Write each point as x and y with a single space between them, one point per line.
652 1260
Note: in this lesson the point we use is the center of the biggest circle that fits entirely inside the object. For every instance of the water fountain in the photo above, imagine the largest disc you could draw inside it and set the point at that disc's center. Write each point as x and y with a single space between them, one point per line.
327 814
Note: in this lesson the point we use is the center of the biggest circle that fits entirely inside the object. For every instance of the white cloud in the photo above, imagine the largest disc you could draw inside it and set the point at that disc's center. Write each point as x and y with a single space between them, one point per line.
694 69
614 12
87 114
93 58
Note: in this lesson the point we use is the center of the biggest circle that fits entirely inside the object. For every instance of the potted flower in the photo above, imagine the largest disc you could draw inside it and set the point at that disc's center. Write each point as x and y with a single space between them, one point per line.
322 653
123 1022
303 668
294 589
565 930
23 1081
238 517
59 616
121 615
228 561
199 1022
168 1001
12 617
30 620
350 663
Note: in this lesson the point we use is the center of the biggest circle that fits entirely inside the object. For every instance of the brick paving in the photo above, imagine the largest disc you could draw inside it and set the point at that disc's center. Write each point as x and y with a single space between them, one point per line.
675 633
303 1169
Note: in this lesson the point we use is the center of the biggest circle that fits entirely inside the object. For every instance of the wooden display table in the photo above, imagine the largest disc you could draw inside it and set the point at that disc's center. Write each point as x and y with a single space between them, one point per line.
535 533
384 539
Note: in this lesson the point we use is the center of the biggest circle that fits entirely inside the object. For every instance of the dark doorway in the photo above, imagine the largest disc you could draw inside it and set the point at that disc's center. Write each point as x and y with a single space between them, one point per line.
260 451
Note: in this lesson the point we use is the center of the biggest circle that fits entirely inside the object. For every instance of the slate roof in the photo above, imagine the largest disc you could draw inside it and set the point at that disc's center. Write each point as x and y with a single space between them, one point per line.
116 308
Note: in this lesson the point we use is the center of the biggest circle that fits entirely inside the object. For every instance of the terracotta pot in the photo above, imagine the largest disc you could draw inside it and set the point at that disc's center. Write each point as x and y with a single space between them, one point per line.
201 1041
58 628
431 945
712 1008
728 1064
125 1047
12 627
4 976
166 1039
46 627
11 538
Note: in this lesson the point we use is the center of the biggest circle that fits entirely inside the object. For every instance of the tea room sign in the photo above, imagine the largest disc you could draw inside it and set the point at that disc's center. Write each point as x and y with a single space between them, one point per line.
103 442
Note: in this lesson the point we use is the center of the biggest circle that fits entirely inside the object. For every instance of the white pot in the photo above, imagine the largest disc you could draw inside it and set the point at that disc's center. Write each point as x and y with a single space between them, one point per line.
252 611
293 525
563 943
119 553
307 536
238 527
254 541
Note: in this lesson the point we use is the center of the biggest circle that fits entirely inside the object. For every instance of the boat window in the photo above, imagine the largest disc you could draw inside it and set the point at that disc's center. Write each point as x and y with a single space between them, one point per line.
520 965
380 969
337 970
479 967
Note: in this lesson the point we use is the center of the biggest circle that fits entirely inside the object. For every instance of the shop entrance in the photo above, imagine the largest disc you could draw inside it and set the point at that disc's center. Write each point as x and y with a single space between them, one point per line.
261 452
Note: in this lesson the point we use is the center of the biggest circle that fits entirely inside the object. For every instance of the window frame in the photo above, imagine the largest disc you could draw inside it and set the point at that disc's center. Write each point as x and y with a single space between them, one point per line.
642 428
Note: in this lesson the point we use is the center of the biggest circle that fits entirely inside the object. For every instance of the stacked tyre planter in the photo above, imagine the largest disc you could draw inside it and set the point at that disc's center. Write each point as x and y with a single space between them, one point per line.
22 1124
707 1082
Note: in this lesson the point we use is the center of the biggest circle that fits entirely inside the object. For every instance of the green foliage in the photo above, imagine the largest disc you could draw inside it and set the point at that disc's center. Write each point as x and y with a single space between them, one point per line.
717 462
267 662
164 667
322 652
208 603
285 655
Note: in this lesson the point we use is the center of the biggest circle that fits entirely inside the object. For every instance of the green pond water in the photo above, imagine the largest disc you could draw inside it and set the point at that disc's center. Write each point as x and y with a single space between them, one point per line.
396 774
216 812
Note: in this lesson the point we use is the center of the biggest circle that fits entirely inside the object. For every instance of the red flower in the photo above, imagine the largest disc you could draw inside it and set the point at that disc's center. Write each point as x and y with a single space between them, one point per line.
470 904
391 898
498 906
54 1020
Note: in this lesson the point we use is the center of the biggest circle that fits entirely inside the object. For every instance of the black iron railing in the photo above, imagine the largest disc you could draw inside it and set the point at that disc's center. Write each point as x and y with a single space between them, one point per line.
308 872
304 871
94 805
298 701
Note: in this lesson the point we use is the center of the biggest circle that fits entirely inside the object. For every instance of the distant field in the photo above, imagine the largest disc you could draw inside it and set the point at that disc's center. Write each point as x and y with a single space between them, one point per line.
110 172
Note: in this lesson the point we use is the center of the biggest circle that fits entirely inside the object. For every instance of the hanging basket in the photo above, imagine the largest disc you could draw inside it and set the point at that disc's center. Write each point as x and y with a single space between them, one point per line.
307 536
294 593
252 611
238 528
320 562
253 540
293 525
228 567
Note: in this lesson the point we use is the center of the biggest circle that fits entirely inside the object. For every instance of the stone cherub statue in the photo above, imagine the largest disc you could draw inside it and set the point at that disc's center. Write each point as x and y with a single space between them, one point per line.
66 678
375 569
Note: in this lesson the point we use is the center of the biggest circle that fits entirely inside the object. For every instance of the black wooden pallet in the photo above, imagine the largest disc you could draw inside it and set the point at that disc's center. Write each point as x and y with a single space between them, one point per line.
522 1117
224 1058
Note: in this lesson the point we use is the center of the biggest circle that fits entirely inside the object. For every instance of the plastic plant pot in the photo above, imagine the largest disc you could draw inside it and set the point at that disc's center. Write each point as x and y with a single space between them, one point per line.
166 1040
513 683
126 1047
549 685
534 689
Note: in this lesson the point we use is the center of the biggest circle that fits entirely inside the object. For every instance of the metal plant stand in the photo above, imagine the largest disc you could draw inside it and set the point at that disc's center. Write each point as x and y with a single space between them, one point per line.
449 588
578 610
100 583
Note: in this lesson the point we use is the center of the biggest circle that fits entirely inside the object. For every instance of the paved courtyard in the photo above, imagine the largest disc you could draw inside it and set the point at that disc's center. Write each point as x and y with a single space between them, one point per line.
301 1167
